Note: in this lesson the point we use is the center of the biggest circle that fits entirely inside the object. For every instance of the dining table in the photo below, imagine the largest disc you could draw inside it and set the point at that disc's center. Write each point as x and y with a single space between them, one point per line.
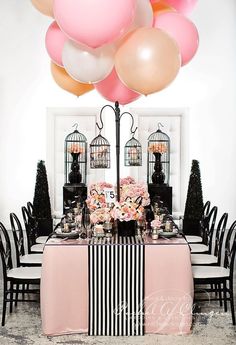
116 286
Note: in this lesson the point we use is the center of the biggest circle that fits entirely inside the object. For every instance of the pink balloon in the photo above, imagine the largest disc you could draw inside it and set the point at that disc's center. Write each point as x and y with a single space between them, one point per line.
94 22
55 40
182 6
113 89
182 30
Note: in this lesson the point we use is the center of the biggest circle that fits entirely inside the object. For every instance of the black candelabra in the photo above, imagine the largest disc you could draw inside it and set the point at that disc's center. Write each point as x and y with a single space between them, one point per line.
96 145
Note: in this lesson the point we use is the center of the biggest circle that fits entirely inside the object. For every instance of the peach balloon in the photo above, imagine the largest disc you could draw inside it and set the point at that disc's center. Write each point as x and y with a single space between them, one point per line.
182 6
148 60
159 6
112 89
44 6
63 80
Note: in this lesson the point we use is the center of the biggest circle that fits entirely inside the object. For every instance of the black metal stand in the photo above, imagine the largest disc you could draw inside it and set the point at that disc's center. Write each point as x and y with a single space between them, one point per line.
118 116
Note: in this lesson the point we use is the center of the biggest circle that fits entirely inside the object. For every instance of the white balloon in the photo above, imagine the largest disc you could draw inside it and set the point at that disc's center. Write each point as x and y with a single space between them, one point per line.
143 15
85 64
143 18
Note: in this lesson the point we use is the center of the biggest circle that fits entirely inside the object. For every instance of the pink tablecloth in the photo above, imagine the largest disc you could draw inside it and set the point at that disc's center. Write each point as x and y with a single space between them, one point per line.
64 289
168 287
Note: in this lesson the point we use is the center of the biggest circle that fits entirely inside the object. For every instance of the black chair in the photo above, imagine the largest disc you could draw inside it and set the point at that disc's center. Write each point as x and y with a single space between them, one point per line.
31 228
15 279
215 258
22 259
31 212
30 208
209 226
206 208
219 278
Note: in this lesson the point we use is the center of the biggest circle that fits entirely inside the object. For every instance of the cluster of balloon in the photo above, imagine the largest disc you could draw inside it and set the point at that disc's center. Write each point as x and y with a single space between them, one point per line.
122 48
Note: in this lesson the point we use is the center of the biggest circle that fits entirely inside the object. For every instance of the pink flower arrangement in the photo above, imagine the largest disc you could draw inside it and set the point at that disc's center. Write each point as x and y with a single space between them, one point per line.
127 180
157 147
156 223
75 148
96 199
126 211
100 215
134 190
133 197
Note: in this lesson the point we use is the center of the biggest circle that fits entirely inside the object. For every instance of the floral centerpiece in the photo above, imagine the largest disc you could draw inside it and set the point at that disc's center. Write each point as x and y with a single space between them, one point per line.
126 211
96 198
133 198
132 190
156 223
126 214
100 215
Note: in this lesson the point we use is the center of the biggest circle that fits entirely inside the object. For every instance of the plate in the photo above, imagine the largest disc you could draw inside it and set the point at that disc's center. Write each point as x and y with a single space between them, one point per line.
72 234
168 234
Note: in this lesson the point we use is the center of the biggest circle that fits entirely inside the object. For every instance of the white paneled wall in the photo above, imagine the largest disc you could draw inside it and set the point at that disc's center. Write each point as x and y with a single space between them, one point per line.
59 125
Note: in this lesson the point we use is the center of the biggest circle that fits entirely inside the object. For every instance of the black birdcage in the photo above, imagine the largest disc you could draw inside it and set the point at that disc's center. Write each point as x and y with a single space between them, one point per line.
99 153
75 158
133 153
158 160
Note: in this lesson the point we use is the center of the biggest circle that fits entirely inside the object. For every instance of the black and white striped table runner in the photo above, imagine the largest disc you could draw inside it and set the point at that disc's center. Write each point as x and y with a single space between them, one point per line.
116 286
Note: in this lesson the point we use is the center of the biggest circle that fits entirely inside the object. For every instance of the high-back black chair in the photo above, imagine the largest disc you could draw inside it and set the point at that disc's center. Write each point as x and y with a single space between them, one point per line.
205 217
219 237
31 232
21 258
18 237
206 208
15 279
215 258
219 278
210 227
30 208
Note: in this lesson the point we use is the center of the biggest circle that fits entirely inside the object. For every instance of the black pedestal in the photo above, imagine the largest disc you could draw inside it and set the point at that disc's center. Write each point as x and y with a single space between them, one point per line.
163 192
70 191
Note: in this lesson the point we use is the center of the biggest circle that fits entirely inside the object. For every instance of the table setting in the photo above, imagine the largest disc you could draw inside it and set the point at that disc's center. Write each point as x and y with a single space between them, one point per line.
113 262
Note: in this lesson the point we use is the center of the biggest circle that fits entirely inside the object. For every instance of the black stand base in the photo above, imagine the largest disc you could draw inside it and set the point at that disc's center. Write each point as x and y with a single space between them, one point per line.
70 191
161 192
126 229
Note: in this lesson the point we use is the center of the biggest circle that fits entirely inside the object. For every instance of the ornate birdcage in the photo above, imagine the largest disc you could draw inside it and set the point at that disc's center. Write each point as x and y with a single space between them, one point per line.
133 153
100 153
75 158
158 158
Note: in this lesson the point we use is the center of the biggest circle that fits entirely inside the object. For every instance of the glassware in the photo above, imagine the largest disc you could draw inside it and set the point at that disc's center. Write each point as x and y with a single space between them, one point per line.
155 233
107 226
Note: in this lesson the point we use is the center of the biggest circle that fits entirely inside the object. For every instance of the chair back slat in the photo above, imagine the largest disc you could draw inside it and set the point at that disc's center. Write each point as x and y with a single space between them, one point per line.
18 236
5 250
206 208
30 227
220 231
209 227
30 209
230 247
